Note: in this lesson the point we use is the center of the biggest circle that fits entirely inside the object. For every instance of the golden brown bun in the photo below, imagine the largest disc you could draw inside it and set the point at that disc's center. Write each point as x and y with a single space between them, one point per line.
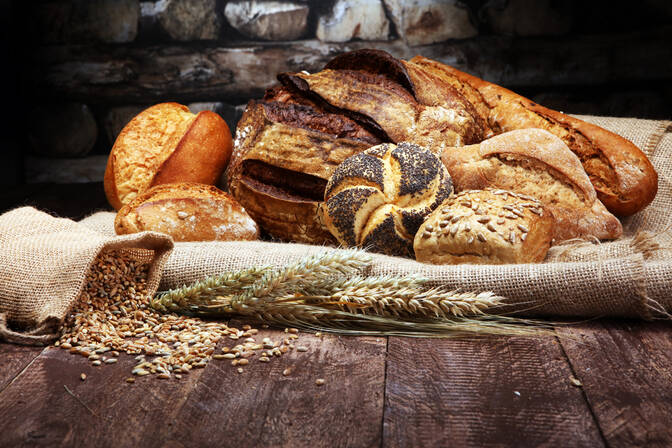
280 166
536 163
623 177
485 227
164 144
187 212
377 199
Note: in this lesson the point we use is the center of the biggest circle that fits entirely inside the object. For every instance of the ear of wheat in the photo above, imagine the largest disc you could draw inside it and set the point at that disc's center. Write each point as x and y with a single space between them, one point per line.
330 291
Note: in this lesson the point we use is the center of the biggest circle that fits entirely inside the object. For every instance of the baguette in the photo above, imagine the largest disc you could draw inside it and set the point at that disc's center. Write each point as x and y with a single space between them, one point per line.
623 177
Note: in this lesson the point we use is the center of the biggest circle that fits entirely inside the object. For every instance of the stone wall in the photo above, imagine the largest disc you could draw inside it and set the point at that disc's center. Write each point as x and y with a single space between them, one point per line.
88 66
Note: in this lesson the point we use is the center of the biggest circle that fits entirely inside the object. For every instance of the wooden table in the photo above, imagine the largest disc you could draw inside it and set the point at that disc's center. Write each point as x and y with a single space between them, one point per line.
494 391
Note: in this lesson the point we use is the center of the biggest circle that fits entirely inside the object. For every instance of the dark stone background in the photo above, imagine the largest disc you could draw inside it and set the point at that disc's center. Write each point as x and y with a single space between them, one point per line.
72 82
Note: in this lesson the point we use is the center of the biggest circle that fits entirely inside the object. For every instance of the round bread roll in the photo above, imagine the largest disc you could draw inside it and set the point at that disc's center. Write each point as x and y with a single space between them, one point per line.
485 227
378 198
187 212
164 144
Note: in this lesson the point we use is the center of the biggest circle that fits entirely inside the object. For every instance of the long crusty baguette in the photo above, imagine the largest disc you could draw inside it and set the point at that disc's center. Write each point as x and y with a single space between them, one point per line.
623 177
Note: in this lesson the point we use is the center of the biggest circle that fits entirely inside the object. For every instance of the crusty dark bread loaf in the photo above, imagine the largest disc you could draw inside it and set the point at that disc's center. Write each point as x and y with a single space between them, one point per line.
485 227
536 163
623 177
284 153
187 212
378 198
434 119
164 144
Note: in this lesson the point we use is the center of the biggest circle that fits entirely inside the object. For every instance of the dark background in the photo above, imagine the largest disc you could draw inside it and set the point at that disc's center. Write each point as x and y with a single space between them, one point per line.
73 79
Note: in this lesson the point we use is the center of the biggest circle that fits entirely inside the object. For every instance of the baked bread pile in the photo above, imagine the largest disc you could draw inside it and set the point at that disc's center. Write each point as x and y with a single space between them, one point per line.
410 158
304 142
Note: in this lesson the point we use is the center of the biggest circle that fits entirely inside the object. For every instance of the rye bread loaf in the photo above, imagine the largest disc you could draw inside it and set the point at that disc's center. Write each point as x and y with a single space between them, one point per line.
623 177
485 227
373 88
284 154
536 163
164 144
378 198
187 212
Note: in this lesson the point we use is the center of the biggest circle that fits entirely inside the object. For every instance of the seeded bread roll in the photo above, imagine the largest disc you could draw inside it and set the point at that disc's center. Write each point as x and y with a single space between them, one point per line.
539 164
485 227
378 198
164 144
187 212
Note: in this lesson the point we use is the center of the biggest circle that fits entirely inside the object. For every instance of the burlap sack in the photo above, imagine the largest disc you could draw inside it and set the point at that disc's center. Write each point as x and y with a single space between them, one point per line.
43 264
43 260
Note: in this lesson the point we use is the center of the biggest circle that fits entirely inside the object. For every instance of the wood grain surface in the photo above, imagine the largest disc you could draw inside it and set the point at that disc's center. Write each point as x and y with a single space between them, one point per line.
626 371
483 392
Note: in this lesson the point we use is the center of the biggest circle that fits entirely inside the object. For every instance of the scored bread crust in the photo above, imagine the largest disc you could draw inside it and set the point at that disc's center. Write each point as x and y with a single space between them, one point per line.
291 151
623 177
187 212
480 227
377 199
163 144
536 163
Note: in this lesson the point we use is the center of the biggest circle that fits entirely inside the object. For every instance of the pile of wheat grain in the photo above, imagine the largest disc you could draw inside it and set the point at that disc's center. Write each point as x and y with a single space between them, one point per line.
113 316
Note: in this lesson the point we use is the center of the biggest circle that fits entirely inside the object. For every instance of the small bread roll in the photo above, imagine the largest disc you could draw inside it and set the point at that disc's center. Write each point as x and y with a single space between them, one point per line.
377 199
164 144
536 163
187 212
485 227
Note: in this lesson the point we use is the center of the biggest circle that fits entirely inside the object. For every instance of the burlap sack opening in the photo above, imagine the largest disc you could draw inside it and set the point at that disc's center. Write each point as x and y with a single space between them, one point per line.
43 265
43 260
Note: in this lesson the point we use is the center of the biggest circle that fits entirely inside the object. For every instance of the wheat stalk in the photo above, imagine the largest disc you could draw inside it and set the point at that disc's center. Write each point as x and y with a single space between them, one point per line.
327 291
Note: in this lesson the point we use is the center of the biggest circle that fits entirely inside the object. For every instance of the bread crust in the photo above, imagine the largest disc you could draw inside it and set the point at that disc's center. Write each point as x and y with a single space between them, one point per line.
187 212
166 143
623 177
536 163
479 227
274 198
377 199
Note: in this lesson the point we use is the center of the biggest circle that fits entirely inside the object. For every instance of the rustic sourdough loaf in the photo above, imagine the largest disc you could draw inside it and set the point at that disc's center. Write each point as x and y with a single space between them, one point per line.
485 227
622 175
378 198
284 153
536 163
166 143
187 212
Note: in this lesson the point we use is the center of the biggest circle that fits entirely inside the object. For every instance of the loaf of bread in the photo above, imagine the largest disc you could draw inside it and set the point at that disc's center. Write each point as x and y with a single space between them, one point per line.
536 163
187 212
378 198
402 105
284 155
164 144
623 177
485 227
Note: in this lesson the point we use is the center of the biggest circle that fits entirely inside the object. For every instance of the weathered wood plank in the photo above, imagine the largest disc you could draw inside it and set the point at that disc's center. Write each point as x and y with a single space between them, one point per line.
37 410
13 359
263 407
483 392
116 74
626 371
